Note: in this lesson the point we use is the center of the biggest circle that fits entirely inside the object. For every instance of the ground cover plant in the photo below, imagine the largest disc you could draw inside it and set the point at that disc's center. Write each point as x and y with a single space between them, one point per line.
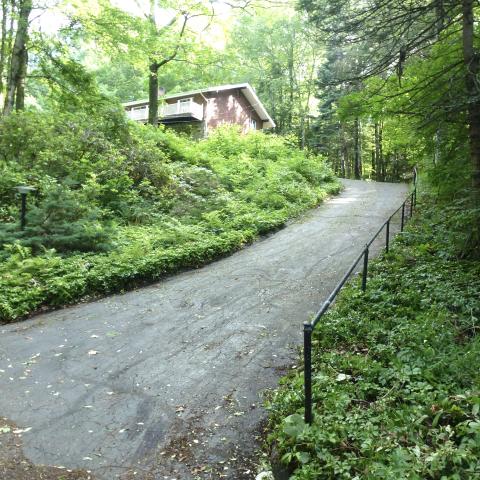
396 380
118 204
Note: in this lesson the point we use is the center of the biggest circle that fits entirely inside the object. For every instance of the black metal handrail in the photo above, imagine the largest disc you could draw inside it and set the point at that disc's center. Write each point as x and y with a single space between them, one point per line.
406 207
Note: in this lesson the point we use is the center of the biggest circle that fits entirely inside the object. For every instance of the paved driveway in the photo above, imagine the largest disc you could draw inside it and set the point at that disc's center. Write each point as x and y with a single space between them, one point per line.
165 381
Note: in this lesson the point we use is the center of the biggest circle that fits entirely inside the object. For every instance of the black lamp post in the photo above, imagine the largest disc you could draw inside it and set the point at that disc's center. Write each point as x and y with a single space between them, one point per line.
23 190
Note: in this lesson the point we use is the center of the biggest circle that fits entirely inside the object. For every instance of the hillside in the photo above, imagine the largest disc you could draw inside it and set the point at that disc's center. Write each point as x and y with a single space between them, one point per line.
119 204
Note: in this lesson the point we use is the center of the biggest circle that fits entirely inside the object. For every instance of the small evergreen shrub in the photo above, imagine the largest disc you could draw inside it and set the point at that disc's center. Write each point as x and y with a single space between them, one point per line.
61 220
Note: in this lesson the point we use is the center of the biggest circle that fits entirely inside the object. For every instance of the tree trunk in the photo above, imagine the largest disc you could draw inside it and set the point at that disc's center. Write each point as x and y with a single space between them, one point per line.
20 89
156 64
291 87
386 162
304 123
358 156
440 14
3 44
437 139
379 152
345 163
153 94
302 132
17 63
373 174
471 59
437 147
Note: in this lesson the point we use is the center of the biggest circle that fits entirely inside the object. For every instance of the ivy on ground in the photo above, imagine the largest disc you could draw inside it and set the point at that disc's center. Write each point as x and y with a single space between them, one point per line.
396 383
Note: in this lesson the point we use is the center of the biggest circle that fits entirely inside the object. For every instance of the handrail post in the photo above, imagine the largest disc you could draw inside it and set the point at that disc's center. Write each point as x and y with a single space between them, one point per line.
411 205
387 239
23 210
415 197
402 224
365 268
307 372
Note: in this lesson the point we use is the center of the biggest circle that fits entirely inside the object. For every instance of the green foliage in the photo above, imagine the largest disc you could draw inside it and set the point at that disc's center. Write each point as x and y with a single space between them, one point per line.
396 385
278 54
62 220
118 204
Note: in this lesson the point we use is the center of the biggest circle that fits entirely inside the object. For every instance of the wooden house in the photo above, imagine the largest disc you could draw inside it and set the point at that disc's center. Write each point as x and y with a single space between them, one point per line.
199 111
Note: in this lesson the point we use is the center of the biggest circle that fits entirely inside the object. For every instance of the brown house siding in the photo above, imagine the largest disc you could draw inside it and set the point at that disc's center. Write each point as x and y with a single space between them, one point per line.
230 106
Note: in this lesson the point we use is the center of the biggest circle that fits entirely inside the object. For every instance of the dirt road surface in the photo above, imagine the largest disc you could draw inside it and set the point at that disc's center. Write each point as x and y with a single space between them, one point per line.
164 382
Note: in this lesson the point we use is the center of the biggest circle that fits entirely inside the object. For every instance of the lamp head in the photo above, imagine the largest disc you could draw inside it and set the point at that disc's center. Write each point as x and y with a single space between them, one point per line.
25 189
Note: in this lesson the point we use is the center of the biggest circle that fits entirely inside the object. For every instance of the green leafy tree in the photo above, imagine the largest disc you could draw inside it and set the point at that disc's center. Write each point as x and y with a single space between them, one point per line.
398 34
278 55
149 41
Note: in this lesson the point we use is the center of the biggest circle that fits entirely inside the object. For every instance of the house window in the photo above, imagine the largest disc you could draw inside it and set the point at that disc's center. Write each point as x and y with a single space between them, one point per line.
253 124
184 105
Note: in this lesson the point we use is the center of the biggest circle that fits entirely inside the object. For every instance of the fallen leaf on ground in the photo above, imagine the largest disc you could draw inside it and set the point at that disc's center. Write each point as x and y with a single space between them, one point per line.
22 430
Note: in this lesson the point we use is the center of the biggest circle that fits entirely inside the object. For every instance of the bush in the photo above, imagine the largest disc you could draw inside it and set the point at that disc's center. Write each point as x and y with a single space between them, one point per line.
62 220
116 207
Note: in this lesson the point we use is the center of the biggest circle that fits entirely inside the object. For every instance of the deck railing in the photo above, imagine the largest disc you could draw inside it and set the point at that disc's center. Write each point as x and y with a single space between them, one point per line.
190 108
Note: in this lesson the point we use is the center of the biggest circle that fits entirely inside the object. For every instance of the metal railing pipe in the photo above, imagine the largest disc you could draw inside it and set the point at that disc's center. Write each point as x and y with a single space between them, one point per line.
365 268
387 236
402 223
308 327
376 235
334 293
307 372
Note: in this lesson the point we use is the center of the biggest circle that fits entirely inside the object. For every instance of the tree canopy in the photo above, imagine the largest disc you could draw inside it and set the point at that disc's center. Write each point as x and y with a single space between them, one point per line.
376 87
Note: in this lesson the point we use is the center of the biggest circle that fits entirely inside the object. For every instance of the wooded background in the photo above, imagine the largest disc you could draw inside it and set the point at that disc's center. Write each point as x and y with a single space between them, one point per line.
375 86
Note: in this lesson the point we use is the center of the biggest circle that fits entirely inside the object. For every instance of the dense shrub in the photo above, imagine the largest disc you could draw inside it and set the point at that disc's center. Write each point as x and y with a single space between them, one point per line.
123 204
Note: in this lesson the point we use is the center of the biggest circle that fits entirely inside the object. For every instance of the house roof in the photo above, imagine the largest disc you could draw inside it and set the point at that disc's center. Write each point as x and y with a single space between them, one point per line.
246 89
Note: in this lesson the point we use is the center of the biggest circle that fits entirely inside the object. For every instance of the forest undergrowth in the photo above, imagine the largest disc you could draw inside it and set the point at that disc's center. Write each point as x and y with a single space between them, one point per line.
396 385
119 204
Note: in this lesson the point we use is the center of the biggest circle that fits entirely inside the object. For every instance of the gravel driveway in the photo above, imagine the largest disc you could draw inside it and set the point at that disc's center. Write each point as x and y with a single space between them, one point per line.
164 382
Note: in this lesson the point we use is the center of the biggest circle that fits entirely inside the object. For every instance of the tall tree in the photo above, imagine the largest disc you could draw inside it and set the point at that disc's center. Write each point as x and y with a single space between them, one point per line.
278 55
357 164
151 40
3 42
15 94
471 59
398 33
